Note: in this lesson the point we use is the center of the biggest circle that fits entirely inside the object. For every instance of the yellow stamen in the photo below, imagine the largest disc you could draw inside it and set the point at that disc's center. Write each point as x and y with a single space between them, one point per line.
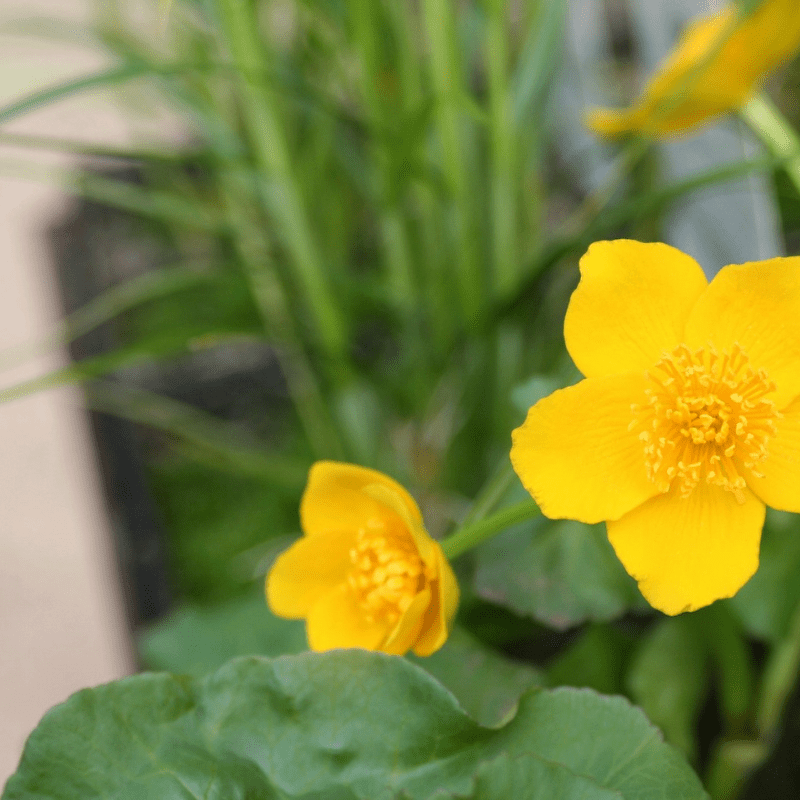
707 417
386 572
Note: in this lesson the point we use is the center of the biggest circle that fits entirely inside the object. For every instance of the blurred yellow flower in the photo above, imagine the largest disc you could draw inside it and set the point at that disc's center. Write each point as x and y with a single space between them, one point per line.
688 420
718 63
366 573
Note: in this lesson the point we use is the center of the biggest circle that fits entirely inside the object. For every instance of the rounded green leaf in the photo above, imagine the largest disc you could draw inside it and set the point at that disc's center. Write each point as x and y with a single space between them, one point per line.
531 778
195 641
561 573
338 724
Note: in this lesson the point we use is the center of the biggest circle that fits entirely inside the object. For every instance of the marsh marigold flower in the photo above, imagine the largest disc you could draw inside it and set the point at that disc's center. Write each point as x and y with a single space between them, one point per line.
718 63
687 422
365 573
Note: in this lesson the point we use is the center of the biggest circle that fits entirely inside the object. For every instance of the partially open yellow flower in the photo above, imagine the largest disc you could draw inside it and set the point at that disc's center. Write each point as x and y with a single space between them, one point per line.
366 573
688 420
718 63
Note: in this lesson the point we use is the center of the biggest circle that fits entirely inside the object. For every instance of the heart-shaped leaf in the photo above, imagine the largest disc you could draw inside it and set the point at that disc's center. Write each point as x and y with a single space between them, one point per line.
338 724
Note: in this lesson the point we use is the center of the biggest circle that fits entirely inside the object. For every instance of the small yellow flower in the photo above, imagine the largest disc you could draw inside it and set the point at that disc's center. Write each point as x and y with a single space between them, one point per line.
717 65
366 573
688 420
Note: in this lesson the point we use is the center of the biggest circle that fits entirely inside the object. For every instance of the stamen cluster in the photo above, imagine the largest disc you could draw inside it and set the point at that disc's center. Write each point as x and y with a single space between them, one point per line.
707 418
386 572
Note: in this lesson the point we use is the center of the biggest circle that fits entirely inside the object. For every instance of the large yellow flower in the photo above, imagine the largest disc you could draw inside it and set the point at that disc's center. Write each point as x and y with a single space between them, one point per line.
366 573
718 63
688 420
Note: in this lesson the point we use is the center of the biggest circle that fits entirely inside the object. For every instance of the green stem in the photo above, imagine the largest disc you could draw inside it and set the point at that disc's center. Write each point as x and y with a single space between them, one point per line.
503 148
394 240
271 152
465 538
780 138
439 18
598 201
432 286
490 495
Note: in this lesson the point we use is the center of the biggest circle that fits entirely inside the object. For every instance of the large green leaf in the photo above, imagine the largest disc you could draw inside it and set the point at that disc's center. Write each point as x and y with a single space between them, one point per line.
529 778
561 573
669 678
485 683
196 640
316 723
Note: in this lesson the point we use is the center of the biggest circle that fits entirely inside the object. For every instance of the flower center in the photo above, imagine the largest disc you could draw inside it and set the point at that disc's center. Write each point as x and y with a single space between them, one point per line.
386 571
707 417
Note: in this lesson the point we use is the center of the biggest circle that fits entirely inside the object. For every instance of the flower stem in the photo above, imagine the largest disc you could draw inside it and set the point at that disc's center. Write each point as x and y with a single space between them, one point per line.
490 495
470 536
440 23
781 139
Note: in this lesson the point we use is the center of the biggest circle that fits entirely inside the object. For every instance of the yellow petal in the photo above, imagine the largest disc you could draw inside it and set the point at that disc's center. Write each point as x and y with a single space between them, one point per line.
757 305
575 454
308 570
773 31
780 486
717 64
336 620
611 122
334 498
405 633
688 552
630 306
438 620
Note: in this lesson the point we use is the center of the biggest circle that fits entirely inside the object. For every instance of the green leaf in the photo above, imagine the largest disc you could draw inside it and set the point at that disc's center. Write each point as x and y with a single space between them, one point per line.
109 77
531 778
765 604
319 723
487 684
561 573
539 59
732 661
357 407
106 306
167 206
214 441
596 661
669 679
196 640
606 224
224 529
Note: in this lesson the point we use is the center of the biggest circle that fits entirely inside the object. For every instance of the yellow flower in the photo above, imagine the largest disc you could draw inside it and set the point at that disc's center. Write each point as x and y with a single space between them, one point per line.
366 573
688 420
718 63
